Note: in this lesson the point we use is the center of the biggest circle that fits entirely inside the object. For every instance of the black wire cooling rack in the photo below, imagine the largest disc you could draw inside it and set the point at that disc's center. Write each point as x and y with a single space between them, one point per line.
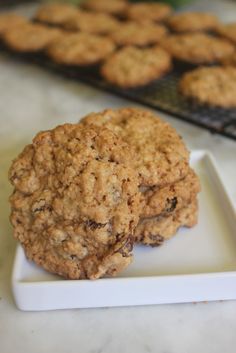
161 94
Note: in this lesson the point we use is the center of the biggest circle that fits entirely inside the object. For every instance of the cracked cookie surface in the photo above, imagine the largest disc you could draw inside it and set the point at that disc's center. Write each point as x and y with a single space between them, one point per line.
75 202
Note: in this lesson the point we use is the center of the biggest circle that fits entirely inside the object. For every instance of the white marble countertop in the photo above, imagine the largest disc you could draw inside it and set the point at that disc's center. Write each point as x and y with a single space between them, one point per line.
31 100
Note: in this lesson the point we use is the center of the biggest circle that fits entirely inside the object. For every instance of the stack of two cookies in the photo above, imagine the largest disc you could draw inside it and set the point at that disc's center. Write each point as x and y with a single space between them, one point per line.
167 183
84 193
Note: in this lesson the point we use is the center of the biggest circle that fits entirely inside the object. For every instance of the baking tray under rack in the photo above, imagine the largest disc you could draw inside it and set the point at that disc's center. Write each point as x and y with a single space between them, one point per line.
161 94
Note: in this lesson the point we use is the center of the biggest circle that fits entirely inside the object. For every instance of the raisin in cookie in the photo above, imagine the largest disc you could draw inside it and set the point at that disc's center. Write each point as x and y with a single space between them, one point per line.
10 20
154 231
151 11
75 202
133 67
228 31
92 23
132 33
197 48
115 7
214 86
30 37
192 22
170 198
161 156
81 49
55 14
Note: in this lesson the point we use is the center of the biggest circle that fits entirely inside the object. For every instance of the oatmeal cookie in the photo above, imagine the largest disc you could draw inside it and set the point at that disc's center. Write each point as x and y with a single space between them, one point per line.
75 202
81 49
30 37
192 22
152 11
161 156
154 231
89 22
133 67
55 14
228 31
115 7
10 20
214 86
132 33
197 48
170 198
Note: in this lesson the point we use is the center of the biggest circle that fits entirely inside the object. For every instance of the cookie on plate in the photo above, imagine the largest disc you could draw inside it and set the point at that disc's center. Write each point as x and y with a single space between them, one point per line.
30 37
132 67
154 231
228 31
214 86
132 33
161 156
82 49
148 11
10 20
164 201
192 22
89 22
55 14
75 202
115 7
197 48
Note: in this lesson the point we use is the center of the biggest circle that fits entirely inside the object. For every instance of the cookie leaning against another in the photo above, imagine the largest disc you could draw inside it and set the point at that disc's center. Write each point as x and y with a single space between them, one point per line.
192 21
75 202
213 86
132 33
197 48
81 49
132 67
161 156
30 37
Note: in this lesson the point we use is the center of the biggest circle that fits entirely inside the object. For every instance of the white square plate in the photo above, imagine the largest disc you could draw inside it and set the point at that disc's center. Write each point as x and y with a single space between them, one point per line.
196 265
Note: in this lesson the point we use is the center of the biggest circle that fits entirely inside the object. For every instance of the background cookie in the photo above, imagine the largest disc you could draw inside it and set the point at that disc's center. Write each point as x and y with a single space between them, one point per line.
80 49
114 7
75 201
55 13
10 20
148 11
30 37
192 21
161 156
133 67
132 33
197 48
228 31
214 86
97 23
